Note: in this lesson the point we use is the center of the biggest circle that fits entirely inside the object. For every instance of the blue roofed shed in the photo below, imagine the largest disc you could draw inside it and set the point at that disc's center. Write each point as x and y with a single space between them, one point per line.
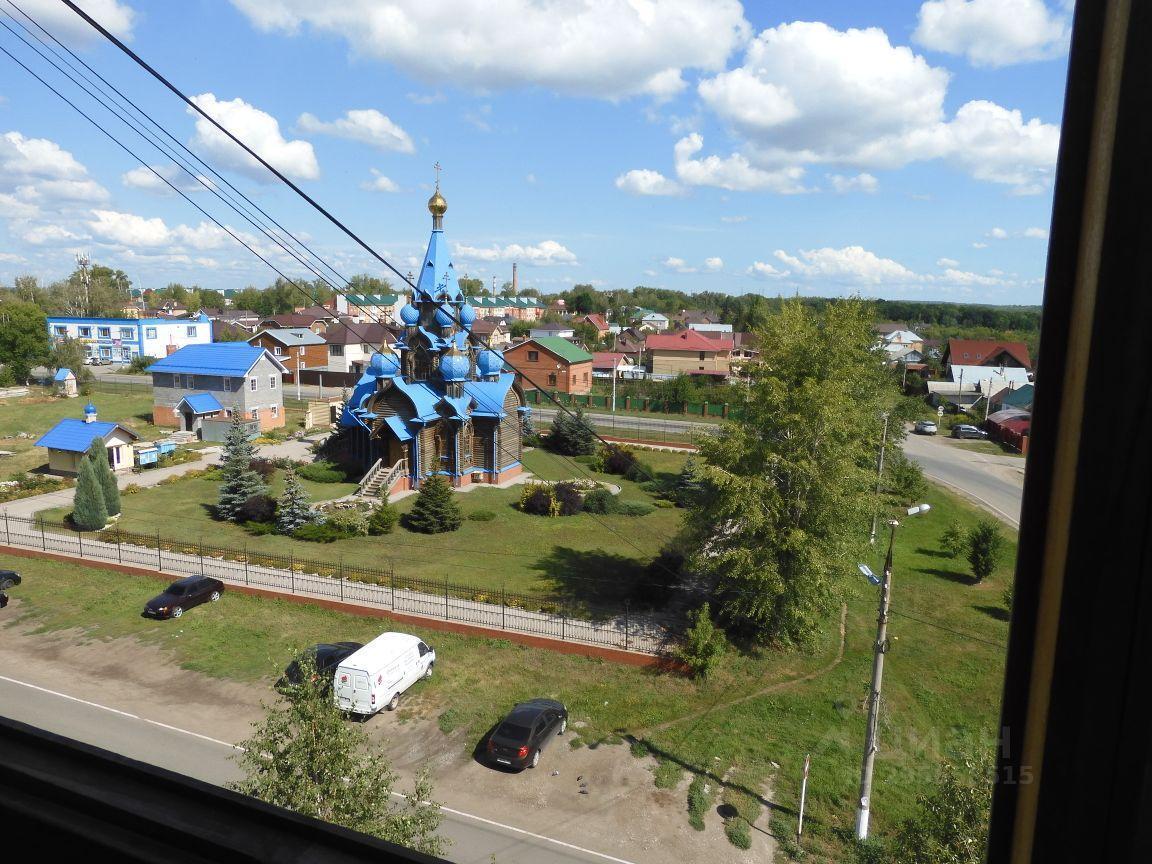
70 438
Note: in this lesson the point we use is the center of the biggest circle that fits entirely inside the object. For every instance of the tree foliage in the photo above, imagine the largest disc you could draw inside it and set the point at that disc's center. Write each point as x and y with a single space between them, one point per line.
382 519
950 825
704 645
791 483
240 481
436 509
98 453
23 337
304 756
985 548
89 512
572 435
292 508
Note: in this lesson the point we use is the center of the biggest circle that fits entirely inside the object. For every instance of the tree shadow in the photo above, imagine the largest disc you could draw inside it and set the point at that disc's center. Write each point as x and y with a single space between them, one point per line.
932 553
997 612
592 576
950 575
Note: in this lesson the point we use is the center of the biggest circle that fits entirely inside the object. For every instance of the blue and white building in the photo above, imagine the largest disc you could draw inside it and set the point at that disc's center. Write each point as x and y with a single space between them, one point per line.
121 339
70 438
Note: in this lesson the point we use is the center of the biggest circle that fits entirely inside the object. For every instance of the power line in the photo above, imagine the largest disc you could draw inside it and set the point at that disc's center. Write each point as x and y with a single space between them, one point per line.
947 629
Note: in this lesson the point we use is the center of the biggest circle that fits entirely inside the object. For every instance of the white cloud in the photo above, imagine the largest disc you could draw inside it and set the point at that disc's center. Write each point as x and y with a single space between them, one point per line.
962 277
852 264
260 131
714 264
1036 233
947 262
997 233
145 178
116 17
47 191
733 172
36 158
677 265
863 182
379 183
14 207
765 270
530 178
993 32
426 98
979 245
601 48
365 125
129 229
854 99
733 220
642 181
544 253
47 235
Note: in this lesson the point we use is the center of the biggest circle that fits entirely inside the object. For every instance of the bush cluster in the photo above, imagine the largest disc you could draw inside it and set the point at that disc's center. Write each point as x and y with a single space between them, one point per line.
382 519
257 508
322 472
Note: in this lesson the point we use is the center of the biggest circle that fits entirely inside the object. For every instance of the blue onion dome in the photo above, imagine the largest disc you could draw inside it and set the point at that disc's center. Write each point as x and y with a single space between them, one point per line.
89 408
467 315
410 314
384 363
445 317
489 363
454 365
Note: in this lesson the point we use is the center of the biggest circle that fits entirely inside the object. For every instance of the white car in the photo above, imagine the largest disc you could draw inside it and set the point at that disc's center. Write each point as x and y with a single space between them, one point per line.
925 427
376 675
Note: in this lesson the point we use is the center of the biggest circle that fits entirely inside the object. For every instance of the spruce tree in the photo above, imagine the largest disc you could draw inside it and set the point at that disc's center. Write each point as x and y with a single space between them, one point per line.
240 481
689 484
292 510
98 453
572 435
89 512
435 510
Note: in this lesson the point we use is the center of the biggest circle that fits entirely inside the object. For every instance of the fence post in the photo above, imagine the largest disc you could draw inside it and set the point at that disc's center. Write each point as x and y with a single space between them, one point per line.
80 540
392 580
119 554
159 560
43 539
341 579
245 563
563 623
201 556
7 536
292 570
627 616
446 616
503 607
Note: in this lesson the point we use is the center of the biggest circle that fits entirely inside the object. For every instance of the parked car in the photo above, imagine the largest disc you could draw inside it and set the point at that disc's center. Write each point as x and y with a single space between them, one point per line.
8 578
184 594
925 427
326 657
529 728
965 430
376 675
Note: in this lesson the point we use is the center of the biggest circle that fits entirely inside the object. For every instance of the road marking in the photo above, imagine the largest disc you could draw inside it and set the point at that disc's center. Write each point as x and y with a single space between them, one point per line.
121 713
516 830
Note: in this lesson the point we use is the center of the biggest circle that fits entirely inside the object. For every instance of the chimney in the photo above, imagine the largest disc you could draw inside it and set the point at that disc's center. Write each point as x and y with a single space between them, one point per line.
514 286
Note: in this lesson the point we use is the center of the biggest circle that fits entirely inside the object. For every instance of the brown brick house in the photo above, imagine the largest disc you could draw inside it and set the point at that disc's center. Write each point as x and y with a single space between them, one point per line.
295 348
551 363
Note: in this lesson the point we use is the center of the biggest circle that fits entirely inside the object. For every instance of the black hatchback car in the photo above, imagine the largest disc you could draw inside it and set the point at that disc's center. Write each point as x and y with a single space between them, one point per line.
528 729
182 595
8 578
325 656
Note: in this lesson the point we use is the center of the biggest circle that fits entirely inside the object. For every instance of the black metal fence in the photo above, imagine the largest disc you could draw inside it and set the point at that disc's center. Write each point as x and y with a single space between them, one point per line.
493 609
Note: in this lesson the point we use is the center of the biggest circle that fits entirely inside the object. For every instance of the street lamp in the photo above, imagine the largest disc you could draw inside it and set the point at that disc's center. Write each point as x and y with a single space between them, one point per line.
879 477
863 810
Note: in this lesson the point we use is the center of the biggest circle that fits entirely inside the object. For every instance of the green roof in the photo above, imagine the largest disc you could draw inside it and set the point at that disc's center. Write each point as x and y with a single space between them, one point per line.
563 349
373 299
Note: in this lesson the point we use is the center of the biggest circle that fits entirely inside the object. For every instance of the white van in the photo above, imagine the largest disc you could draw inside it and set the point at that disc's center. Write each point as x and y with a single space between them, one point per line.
376 675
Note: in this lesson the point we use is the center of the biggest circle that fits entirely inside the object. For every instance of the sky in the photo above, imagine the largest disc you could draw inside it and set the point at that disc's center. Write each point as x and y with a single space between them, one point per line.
893 149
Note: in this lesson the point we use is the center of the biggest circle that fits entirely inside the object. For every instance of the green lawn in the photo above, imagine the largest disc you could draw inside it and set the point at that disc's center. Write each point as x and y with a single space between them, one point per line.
941 687
581 558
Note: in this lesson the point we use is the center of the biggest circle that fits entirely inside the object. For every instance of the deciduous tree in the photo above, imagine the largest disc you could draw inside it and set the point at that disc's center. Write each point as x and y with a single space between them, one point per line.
985 548
950 825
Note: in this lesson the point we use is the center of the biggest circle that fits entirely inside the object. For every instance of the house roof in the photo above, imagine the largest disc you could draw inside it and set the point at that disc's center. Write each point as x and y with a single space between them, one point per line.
371 333
609 359
289 319
597 321
687 340
290 338
215 358
201 403
562 348
62 374
901 336
977 352
77 436
364 300
887 327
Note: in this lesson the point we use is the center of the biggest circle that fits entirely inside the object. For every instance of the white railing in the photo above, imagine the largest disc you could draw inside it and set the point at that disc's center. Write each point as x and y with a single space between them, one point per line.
369 477
394 474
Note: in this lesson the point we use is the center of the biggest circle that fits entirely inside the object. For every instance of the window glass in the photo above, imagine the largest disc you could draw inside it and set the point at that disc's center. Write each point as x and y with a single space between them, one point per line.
104 332
149 332
127 332
191 331
533 356
271 382
253 384
86 332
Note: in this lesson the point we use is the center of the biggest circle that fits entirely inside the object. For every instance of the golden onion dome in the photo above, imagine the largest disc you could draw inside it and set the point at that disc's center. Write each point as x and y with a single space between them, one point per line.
437 206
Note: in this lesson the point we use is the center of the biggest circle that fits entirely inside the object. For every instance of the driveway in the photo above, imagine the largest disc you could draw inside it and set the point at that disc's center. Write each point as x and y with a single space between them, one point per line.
994 482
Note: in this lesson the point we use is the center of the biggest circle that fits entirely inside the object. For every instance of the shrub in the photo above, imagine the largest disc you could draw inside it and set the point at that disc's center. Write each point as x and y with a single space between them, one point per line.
985 548
699 801
600 501
321 532
382 519
352 523
634 508
954 540
322 472
293 510
539 499
664 503
257 508
259 529
482 516
904 478
704 645
572 435
617 459
264 467
131 489
640 472
89 511
139 363
1009 595
436 509
568 499
738 832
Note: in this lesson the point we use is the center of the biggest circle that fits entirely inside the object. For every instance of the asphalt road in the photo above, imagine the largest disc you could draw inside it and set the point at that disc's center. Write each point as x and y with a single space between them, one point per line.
994 482
474 840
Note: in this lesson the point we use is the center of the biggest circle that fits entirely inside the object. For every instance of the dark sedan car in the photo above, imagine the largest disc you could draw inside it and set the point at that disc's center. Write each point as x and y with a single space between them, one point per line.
8 578
326 658
528 729
965 430
184 594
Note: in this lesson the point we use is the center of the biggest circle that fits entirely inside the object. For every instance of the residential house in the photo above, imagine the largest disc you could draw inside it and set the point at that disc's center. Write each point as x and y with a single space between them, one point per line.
551 363
744 348
685 318
241 319
1019 397
709 327
612 364
375 308
563 331
121 339
491 332
297 349
688 353
1006 359
70 438
630 341
214 381
295 320
647 319
514 308
599 322
898 343
351 346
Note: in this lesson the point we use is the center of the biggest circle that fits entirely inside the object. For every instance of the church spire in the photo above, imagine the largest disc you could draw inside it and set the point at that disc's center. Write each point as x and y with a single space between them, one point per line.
437 206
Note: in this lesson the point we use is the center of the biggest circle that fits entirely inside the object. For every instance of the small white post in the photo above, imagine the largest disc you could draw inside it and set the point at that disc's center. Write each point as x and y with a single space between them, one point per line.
803 796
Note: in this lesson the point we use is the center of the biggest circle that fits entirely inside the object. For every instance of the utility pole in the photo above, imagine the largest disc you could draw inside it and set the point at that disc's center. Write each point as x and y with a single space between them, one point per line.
879 480
615 372
85 280
880 649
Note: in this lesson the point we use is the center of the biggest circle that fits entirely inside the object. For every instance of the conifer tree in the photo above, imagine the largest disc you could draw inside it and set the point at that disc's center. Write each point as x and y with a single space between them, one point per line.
292 510
98 453
572 435
689 484
435 510
240 481
89 512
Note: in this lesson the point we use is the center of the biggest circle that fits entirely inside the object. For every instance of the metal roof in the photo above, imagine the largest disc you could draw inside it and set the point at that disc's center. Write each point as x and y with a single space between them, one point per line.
62 374
373 299
562 348
215 358
77 436
290 337
201 403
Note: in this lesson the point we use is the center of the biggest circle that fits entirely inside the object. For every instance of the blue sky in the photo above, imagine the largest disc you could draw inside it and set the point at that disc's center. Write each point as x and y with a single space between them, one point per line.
891 149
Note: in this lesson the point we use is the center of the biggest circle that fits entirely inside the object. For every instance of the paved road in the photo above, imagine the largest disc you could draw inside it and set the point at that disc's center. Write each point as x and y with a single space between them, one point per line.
474 840
632 422
994 482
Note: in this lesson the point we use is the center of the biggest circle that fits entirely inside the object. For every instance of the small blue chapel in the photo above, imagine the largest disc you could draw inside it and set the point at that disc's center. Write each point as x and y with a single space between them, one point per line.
436 402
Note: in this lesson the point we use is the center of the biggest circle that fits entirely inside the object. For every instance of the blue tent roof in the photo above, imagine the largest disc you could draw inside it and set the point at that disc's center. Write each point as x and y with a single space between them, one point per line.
62 375
202 403
215 358
489 395
398 427
438 275
423 398
77 436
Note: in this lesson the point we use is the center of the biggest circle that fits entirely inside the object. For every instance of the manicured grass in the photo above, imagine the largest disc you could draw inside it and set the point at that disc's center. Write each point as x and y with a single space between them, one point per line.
941 688
991 447
583 558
